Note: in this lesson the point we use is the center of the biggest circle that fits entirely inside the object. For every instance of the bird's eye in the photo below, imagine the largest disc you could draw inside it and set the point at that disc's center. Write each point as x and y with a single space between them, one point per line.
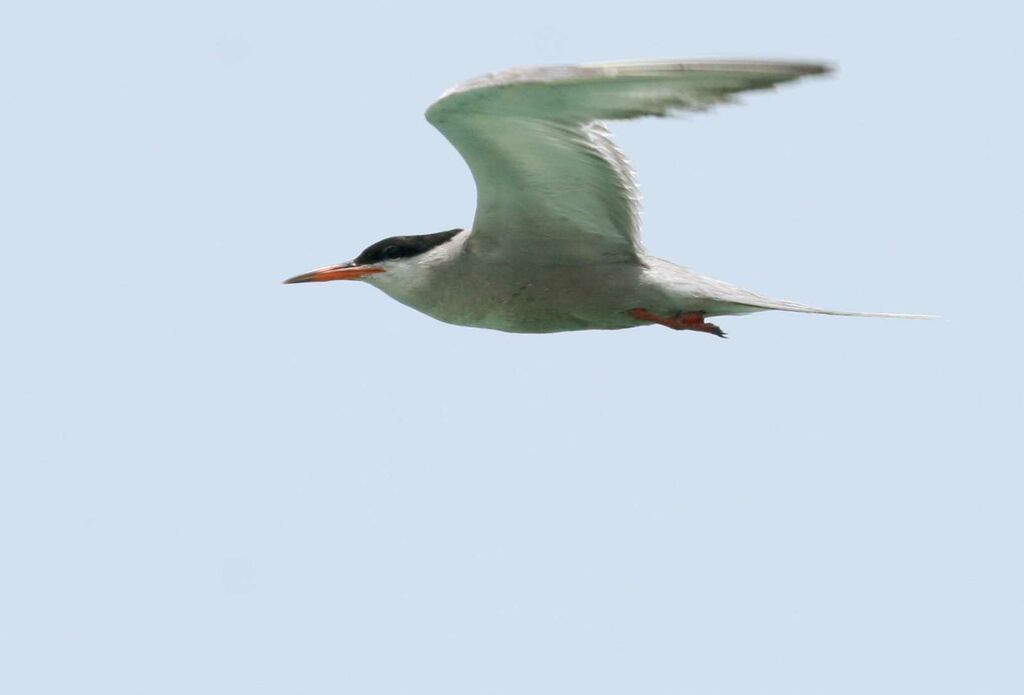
391 252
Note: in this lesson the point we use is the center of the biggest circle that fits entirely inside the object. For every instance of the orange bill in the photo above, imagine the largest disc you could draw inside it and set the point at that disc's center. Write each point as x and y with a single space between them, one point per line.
345 271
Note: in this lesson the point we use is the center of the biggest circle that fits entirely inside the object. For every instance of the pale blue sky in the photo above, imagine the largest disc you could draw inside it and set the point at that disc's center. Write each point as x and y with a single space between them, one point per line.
212 483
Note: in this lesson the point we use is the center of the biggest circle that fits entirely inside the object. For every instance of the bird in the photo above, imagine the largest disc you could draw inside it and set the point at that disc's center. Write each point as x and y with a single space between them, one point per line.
555 241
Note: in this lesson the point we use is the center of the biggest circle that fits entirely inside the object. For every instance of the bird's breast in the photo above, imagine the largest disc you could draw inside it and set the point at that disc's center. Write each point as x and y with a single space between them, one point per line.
525 298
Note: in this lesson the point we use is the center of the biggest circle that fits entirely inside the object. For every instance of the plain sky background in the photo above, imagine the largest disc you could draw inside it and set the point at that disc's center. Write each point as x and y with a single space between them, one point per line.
212 483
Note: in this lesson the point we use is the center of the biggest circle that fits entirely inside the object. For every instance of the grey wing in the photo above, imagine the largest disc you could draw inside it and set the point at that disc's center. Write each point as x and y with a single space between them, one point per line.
550 182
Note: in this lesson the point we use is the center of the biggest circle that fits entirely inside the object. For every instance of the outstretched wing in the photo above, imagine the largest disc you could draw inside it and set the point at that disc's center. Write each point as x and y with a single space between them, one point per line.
550 181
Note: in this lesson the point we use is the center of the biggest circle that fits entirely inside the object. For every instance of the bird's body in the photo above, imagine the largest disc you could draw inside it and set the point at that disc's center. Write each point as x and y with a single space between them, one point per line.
555 242
538 297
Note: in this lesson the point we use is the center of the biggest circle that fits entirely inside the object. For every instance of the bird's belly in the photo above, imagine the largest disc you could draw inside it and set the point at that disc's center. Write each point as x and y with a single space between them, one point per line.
566 301
523 298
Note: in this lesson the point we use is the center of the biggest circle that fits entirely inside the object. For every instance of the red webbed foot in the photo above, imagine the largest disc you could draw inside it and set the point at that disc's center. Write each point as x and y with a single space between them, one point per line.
683 321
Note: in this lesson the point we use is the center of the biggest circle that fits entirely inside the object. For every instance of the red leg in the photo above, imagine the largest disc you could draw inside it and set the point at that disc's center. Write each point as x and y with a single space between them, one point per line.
683 321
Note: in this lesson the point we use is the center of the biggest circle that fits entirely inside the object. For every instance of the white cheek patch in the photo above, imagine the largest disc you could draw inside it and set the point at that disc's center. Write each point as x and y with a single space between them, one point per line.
403 277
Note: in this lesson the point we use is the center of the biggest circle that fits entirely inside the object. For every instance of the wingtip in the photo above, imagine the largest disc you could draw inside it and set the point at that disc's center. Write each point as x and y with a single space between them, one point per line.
794 67
791 68
809 68
826 68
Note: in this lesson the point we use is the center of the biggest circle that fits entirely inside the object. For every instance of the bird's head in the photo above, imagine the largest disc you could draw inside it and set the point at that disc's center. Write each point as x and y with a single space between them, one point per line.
392 255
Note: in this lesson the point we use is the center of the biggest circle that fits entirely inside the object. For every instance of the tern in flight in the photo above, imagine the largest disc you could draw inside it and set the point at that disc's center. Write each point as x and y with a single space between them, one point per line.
555 243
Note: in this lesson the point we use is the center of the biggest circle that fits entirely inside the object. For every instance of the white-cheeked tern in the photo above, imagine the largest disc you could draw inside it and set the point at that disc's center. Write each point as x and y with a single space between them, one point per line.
555 244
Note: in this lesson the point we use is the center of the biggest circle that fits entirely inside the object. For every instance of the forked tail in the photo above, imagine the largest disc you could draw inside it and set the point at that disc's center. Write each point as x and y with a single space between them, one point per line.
783 305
